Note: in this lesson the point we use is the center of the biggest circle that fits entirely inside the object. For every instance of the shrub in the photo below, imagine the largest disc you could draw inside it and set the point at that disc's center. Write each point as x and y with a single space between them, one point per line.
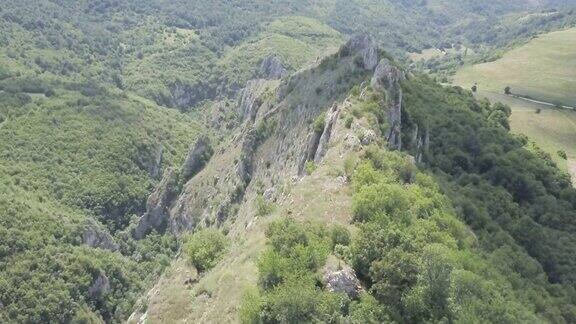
348 121
320 123
205 248
310 167
563 154
340 235
263 207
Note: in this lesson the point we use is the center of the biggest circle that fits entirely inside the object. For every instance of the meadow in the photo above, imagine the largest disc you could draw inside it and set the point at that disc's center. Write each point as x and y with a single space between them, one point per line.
542 69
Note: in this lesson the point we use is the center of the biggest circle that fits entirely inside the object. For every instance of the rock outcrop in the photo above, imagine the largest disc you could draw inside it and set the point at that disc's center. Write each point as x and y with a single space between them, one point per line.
343 281
100 287
246 161
157 206
156 165
365 47
272 68
422 140
197 157
184 96
329 125
95 236
249 100
387 78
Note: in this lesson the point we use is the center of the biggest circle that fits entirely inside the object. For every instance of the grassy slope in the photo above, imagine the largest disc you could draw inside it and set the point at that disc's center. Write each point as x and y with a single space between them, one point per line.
542 69
552 129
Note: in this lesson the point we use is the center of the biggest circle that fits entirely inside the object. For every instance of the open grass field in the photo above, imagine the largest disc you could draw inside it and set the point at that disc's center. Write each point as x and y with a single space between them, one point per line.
543 69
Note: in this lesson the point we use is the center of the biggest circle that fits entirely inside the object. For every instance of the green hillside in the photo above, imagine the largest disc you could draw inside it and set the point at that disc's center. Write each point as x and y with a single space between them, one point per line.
98 98
543 69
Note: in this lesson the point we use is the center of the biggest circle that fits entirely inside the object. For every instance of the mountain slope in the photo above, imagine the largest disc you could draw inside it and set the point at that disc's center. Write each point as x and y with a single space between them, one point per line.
415 258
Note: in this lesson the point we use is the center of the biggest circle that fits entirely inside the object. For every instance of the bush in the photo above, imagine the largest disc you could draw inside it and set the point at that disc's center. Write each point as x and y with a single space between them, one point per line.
205 248
310 167
348 121
263 207
340 235
320 123
563 154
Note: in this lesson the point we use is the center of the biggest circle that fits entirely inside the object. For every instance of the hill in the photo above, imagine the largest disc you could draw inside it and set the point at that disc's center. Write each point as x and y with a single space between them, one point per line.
344 226
136 132
541 70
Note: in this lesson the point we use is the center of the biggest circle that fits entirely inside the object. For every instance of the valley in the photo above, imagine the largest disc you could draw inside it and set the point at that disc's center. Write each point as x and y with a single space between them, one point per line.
287 162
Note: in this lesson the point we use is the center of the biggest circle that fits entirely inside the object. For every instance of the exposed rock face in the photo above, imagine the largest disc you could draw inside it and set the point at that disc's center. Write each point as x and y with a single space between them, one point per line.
422 140
343 281
96 236
155 168
249 100
310 152
368 137
184 96
318 141
364 46
100 286
272 68
244 166
329 125
351 142
157 206
270 195
197 157
387 78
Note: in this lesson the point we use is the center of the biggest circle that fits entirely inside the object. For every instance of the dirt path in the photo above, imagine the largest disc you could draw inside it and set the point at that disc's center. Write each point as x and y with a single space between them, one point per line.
541 102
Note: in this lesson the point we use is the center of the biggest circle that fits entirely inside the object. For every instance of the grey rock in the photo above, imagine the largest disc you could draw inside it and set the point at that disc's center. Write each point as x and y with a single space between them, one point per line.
157 206
197 157
270 195
351 142
369 137
343 281
329 125
100 286
96 236
387 78
184 96
156 166
246 163
309 152
249 100
272 68
364 46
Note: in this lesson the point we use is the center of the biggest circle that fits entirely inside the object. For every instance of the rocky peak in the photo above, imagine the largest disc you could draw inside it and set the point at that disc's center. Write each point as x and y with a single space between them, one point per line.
364 46
272 68
387 78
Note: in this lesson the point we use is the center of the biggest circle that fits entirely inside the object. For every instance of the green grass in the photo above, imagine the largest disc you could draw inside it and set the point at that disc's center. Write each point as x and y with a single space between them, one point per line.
544 69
